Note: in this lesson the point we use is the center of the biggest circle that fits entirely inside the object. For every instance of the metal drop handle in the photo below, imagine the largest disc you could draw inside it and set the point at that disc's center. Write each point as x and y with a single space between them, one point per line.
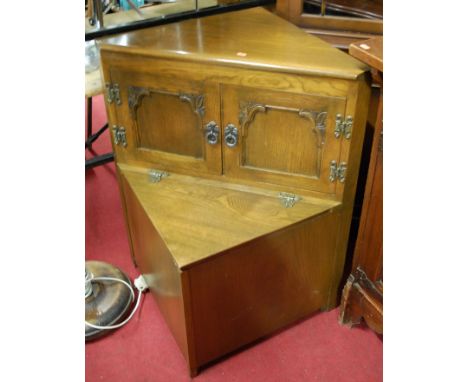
230 135
211 133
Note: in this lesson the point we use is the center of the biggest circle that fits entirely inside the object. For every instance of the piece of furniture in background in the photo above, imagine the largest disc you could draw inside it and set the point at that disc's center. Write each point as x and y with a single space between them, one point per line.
339 22
93 87
150 11
363 293
238 157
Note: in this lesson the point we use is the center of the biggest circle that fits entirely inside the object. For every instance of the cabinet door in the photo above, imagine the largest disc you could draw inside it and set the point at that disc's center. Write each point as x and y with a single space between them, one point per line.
282 138
166 122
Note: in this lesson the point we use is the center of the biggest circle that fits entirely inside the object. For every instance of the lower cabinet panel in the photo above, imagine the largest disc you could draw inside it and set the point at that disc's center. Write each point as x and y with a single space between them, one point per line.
257 288
240 295
155 263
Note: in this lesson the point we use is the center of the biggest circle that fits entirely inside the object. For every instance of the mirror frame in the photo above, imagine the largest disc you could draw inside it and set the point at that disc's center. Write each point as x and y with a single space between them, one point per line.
140 24
293 10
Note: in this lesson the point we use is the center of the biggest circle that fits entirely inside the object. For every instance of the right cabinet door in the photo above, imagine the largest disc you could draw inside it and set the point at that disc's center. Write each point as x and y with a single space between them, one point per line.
279 137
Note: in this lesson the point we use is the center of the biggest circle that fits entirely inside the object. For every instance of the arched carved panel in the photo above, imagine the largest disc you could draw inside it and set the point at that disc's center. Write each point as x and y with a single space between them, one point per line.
167 121
137 93
318 119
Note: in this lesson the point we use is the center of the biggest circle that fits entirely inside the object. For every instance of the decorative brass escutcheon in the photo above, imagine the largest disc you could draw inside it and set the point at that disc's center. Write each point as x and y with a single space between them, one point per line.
211 133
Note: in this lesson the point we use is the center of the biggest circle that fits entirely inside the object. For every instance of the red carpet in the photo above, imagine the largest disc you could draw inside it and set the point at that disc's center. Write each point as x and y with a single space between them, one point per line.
316 349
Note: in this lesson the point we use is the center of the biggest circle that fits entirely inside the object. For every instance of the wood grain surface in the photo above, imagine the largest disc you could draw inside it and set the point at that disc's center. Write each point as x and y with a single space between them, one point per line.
282 143
288 49
197 218
287 90
165 126
157 266
369 51
255 289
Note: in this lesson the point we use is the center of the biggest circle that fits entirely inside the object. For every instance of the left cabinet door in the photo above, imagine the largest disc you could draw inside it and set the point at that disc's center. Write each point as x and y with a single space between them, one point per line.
167 123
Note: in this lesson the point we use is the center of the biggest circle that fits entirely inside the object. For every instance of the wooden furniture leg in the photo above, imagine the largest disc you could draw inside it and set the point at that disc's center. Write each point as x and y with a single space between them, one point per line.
361 299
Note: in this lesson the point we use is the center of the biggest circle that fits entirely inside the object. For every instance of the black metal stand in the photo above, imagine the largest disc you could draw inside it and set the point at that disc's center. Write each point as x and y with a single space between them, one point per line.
99 160
90 138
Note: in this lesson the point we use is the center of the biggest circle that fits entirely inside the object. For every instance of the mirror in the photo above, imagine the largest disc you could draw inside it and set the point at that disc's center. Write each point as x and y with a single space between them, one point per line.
103 17
366 9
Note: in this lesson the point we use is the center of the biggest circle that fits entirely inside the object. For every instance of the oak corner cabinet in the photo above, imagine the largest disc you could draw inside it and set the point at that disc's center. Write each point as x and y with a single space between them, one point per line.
237 140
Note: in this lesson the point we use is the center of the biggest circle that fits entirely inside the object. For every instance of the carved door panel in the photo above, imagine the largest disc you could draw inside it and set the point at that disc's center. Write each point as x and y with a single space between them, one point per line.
167 122
282 138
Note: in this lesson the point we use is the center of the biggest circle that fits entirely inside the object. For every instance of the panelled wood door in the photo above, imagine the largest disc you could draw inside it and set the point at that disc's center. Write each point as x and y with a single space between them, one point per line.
165 120
282 138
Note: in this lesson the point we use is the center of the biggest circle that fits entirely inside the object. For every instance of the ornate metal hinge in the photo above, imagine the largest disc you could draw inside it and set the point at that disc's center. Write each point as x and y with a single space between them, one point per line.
156 176
337 171
113 93
120 137
343 126
288 200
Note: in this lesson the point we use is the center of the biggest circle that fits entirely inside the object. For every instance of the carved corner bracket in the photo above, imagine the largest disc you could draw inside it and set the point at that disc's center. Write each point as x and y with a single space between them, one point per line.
247 114
319 119
249 109
136 94
196 101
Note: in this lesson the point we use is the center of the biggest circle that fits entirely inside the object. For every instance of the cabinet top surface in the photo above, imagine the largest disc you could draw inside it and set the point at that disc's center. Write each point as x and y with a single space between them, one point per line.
252 38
